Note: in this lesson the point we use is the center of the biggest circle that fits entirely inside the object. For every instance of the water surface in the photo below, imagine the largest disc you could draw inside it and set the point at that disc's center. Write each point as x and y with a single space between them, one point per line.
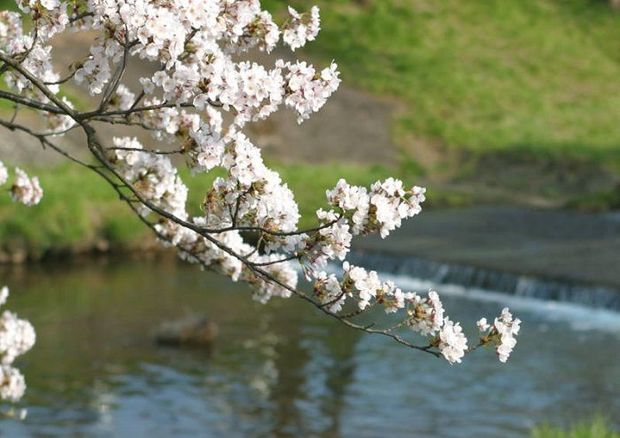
282 370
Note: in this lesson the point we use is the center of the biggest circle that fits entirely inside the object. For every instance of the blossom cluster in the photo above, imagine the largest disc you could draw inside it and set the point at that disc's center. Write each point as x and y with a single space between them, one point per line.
17 336
381 209
502 333
50 17
301 28
357 211
152 176
26 190
251 195
196 41
424 315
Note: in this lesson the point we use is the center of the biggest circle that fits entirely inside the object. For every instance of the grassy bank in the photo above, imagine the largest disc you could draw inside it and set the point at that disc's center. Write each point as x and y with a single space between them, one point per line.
515 94
79 210
598 428
486 75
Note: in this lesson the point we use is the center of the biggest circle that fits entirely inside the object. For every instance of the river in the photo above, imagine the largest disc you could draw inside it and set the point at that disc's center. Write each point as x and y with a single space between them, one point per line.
283 370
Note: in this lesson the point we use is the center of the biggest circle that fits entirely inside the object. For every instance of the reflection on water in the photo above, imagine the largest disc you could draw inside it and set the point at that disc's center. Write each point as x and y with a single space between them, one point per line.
279 370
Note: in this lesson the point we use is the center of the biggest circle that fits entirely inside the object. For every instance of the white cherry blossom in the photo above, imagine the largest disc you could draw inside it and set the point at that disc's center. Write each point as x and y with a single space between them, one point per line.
4 174
301 28
483 325
12 383
17 336
507 329
25 189
452 341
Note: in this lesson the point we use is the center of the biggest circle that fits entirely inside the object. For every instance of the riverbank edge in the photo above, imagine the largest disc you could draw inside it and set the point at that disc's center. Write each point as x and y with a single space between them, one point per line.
468 275
102 247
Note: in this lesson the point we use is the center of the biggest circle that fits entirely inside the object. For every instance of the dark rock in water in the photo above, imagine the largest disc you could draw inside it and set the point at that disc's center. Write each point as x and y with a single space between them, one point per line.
196 331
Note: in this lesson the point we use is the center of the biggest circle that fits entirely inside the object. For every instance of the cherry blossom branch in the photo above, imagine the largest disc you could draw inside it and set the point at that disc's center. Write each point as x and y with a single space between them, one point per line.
201 97
39 85
29 102
96 149
255 267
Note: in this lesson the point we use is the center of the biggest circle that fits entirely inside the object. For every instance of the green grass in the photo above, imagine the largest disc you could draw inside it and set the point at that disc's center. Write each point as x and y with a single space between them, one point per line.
8 4
597 428
485 75
79 209
596 202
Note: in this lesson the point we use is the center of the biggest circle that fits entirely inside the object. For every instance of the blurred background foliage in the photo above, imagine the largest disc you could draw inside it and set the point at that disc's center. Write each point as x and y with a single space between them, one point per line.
498 101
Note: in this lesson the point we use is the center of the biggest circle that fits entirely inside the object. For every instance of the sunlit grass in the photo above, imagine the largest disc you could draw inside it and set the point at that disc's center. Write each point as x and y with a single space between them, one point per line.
8 4
485 75
597 428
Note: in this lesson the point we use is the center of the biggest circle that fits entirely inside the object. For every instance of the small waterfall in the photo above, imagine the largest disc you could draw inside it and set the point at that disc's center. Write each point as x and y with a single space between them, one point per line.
495 280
